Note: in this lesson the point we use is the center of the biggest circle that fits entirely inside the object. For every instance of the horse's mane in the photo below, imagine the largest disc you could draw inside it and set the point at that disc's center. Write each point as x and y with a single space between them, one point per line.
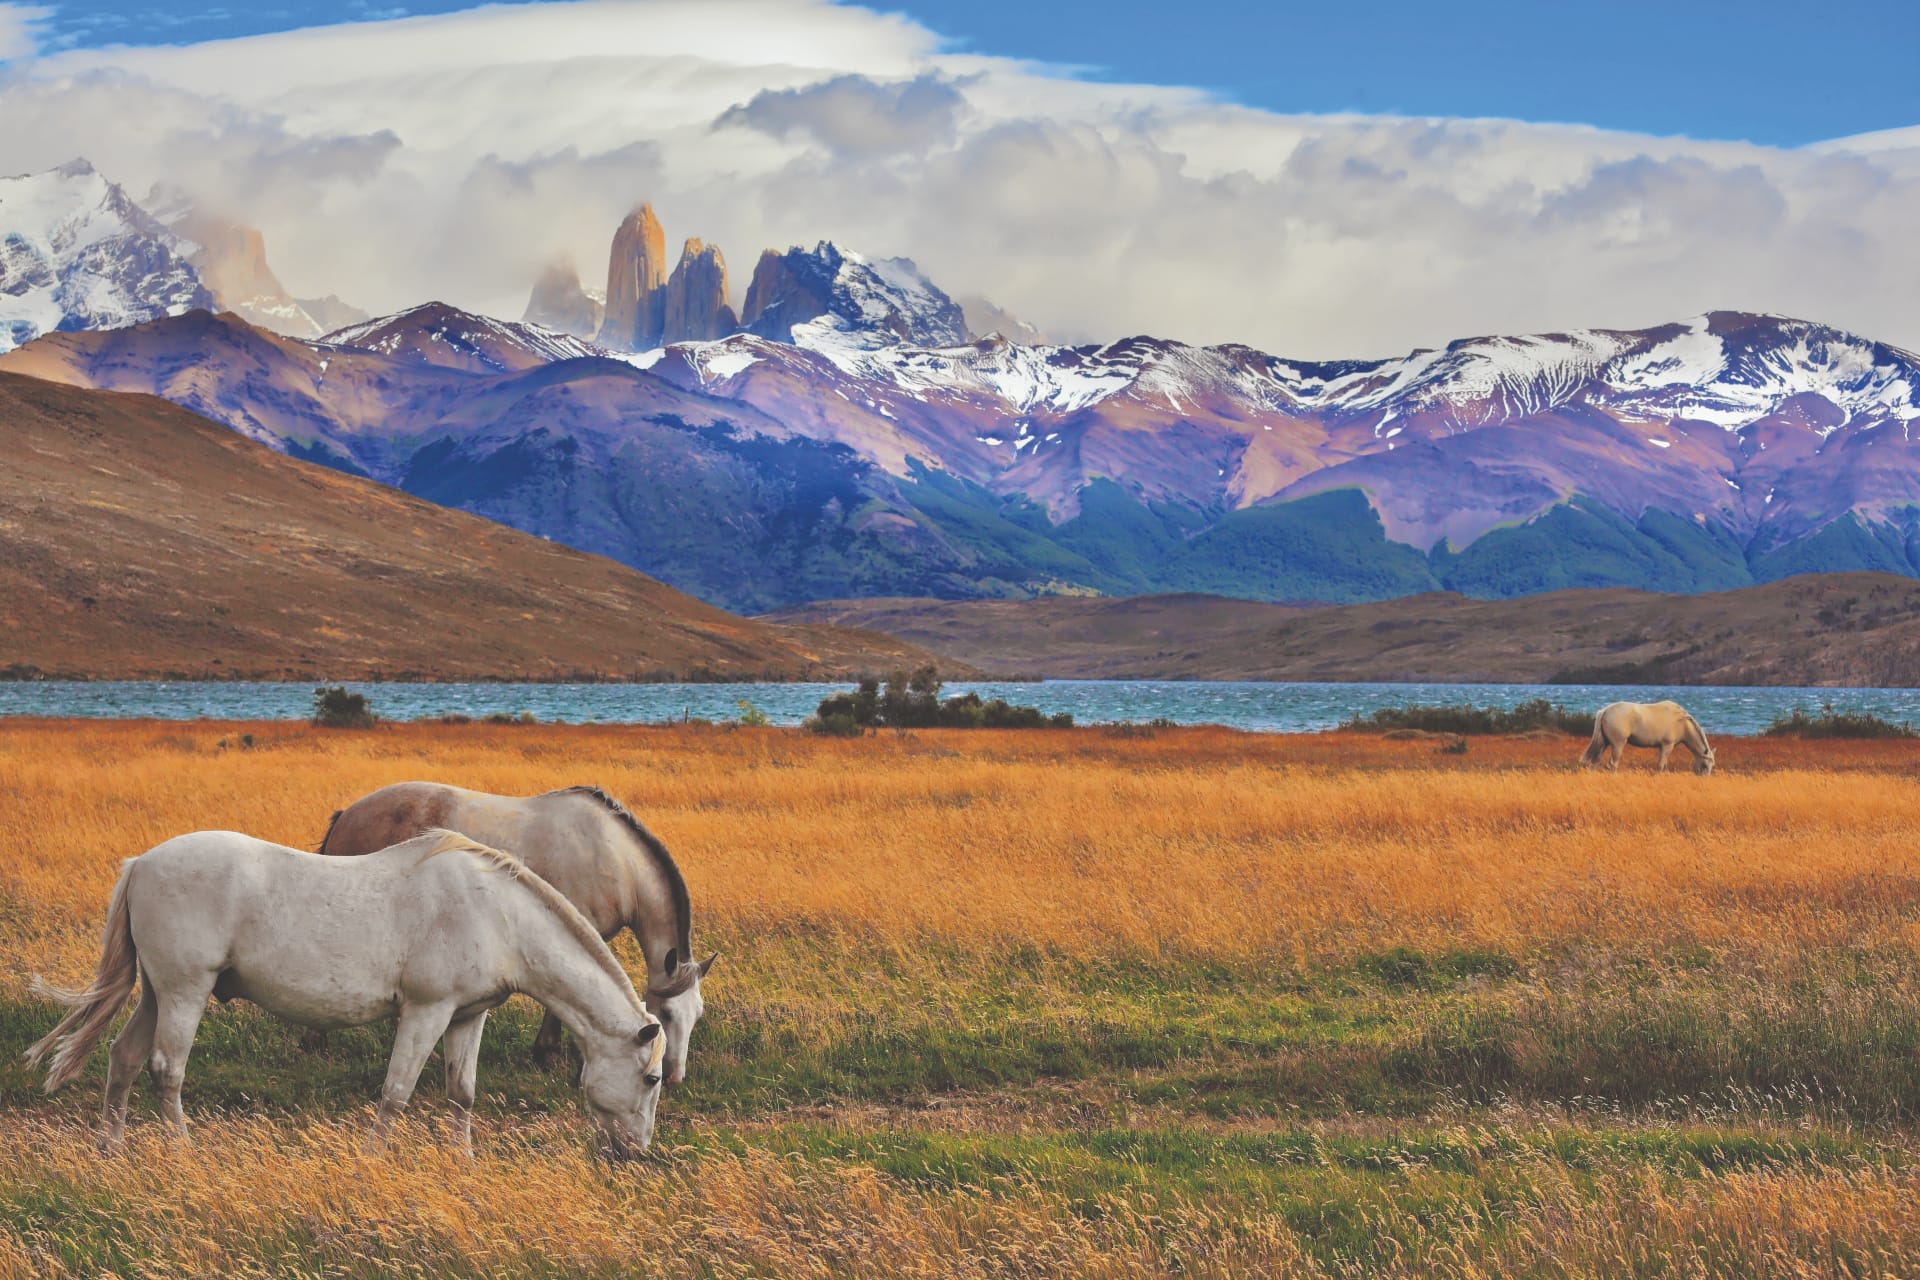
444 841
668 869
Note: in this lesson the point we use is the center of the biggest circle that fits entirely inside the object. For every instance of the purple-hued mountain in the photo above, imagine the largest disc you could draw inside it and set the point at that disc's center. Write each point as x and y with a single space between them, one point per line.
1703 454
853 438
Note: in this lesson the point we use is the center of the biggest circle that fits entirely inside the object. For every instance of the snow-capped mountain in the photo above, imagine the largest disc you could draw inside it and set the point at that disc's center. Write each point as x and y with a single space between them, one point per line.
832 299
77 253
445 336
838 460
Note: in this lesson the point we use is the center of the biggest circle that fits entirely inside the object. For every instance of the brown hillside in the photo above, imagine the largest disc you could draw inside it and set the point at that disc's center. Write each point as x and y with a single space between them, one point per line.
1825 629
138 540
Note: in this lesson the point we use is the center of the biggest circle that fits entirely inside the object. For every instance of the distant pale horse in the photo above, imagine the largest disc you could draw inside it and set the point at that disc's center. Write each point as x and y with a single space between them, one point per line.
1665 725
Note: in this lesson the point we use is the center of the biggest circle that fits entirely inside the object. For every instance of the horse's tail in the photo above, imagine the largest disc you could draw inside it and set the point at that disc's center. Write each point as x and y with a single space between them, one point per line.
95 1006
332 822
1597 746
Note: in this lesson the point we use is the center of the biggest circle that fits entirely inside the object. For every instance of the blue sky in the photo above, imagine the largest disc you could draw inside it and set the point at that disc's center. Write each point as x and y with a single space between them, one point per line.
1760 70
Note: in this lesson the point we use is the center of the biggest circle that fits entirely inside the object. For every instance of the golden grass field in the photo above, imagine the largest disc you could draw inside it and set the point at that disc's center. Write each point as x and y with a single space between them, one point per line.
1059 1003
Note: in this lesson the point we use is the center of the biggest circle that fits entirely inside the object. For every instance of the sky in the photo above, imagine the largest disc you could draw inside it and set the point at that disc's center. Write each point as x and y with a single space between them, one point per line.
1317 180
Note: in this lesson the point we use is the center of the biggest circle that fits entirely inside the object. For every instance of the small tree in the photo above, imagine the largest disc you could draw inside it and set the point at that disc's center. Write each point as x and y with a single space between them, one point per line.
338 708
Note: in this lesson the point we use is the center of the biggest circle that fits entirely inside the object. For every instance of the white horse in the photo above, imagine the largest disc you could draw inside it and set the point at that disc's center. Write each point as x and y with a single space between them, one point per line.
1665 725
434 932
585 844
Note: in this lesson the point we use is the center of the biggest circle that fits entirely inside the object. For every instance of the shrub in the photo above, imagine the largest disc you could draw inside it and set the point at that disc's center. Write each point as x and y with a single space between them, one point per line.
1837 724
751 716
508 717
836 725
337 708
1536 713
913 702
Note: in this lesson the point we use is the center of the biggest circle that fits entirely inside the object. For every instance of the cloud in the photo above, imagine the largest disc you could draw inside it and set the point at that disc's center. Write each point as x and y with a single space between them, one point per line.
853 115
452 156
20 30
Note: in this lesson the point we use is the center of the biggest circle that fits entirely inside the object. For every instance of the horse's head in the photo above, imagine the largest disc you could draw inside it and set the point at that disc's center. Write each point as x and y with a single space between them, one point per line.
676 1001
1703 763
623 1089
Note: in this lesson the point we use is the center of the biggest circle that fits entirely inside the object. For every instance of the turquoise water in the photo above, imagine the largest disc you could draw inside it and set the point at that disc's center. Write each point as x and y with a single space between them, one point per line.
1290 708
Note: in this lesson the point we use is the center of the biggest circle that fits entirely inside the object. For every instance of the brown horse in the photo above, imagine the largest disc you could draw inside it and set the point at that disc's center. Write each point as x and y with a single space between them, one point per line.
585 844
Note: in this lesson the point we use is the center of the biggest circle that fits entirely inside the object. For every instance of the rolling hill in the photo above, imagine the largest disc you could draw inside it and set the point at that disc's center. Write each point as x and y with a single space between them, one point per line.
138 540
1827 629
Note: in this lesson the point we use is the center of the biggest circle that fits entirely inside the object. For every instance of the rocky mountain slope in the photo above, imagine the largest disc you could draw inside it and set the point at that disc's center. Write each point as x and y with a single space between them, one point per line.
561 303
1819 629
232 262
138 540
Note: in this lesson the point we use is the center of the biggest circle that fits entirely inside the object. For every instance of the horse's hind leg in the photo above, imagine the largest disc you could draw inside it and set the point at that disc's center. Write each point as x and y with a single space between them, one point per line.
462 1051
1617 749
176 1020
131 1049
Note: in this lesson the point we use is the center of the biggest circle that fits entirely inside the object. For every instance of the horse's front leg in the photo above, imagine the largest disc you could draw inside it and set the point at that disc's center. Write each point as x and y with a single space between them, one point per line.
420 1027
463 1064
546 1042
1666 749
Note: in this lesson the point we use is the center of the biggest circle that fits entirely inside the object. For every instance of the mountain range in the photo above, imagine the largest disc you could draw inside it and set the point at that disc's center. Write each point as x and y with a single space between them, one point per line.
849 433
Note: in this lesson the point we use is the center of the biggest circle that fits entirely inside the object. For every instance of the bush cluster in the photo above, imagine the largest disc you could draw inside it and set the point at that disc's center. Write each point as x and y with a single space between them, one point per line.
1535 713
1837 724
337 708
913 702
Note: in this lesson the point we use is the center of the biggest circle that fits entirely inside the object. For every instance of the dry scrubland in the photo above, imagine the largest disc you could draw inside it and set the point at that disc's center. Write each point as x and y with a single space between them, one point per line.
1062 1003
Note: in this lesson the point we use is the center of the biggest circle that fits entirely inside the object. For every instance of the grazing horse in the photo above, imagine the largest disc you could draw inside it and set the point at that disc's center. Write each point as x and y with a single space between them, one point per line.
433 932
1620 725
585 844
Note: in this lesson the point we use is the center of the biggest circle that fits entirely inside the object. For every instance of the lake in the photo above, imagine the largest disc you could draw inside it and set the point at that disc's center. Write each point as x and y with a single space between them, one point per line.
1270 707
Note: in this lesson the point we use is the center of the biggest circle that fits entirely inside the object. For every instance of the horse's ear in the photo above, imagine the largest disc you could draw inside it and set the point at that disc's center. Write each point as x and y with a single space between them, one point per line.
672 963
647 1033
708 963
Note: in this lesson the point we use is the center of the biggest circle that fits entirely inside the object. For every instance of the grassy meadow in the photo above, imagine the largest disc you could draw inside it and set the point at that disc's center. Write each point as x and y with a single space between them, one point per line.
1074 1002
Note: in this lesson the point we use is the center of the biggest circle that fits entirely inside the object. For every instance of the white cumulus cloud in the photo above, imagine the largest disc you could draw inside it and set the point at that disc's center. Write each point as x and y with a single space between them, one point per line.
19 30
451 156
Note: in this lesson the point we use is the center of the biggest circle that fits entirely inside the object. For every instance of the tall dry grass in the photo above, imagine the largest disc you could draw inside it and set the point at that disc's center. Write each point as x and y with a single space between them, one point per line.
1202 845
1288 914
